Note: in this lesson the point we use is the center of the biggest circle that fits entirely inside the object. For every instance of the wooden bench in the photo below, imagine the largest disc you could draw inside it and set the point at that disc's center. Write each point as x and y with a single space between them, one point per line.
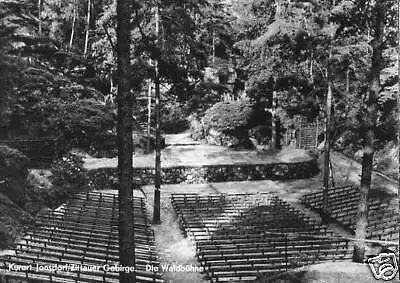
84 232
237 237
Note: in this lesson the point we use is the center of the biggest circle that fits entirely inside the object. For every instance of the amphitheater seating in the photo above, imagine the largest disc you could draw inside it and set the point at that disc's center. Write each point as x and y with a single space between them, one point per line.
342 206
240 236
84 232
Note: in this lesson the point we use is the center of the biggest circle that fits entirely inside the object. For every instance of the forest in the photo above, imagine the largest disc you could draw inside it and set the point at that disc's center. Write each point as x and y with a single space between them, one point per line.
236 73
59 62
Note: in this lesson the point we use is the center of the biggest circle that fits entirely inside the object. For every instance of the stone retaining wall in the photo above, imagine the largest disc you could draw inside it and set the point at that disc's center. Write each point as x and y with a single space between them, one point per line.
103 178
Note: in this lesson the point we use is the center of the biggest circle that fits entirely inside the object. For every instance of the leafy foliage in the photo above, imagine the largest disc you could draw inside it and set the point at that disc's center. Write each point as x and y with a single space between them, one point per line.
49 87
284 48
12 162
228 116
14 171
78 123
69 177
173 118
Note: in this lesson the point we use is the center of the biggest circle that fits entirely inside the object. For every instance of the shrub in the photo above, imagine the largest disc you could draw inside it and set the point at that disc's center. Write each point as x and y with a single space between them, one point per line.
13 170
15 194
12 163
173 119
79 123
226 123
230 116
69 177
12 222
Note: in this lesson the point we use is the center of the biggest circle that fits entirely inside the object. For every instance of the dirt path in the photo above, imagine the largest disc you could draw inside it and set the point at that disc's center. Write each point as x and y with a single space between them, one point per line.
332 272
203 154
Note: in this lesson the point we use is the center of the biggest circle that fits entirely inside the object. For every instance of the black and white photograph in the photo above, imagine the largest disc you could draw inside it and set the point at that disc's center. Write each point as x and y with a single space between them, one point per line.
199 141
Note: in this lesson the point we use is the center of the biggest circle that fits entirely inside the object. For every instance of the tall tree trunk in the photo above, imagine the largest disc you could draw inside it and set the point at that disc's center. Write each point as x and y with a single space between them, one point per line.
87 28
71 39
148 116
328 128
213 49
125 143
311 71
157 181
398 94
40 16
369 132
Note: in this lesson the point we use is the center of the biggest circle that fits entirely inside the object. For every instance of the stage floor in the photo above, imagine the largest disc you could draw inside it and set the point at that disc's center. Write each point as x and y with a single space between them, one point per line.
181 152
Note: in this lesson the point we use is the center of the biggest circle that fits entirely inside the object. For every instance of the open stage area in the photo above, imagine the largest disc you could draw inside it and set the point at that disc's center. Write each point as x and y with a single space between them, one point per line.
183 151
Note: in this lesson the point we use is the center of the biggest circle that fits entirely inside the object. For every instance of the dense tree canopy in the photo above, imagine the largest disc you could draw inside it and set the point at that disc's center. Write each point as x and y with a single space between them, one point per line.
59 52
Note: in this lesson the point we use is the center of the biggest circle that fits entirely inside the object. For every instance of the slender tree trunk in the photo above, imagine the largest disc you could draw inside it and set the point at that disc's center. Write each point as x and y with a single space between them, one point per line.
327 146
273 122
298 145
71 39
87 28
157 181
369 132
213 49
398 97
40 16
148 116
311 67
125 143
111 84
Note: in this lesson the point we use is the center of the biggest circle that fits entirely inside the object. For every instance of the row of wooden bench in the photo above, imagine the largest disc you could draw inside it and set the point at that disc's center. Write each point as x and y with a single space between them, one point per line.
344 202
194 199
238 237
241 210
343 205
84 232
